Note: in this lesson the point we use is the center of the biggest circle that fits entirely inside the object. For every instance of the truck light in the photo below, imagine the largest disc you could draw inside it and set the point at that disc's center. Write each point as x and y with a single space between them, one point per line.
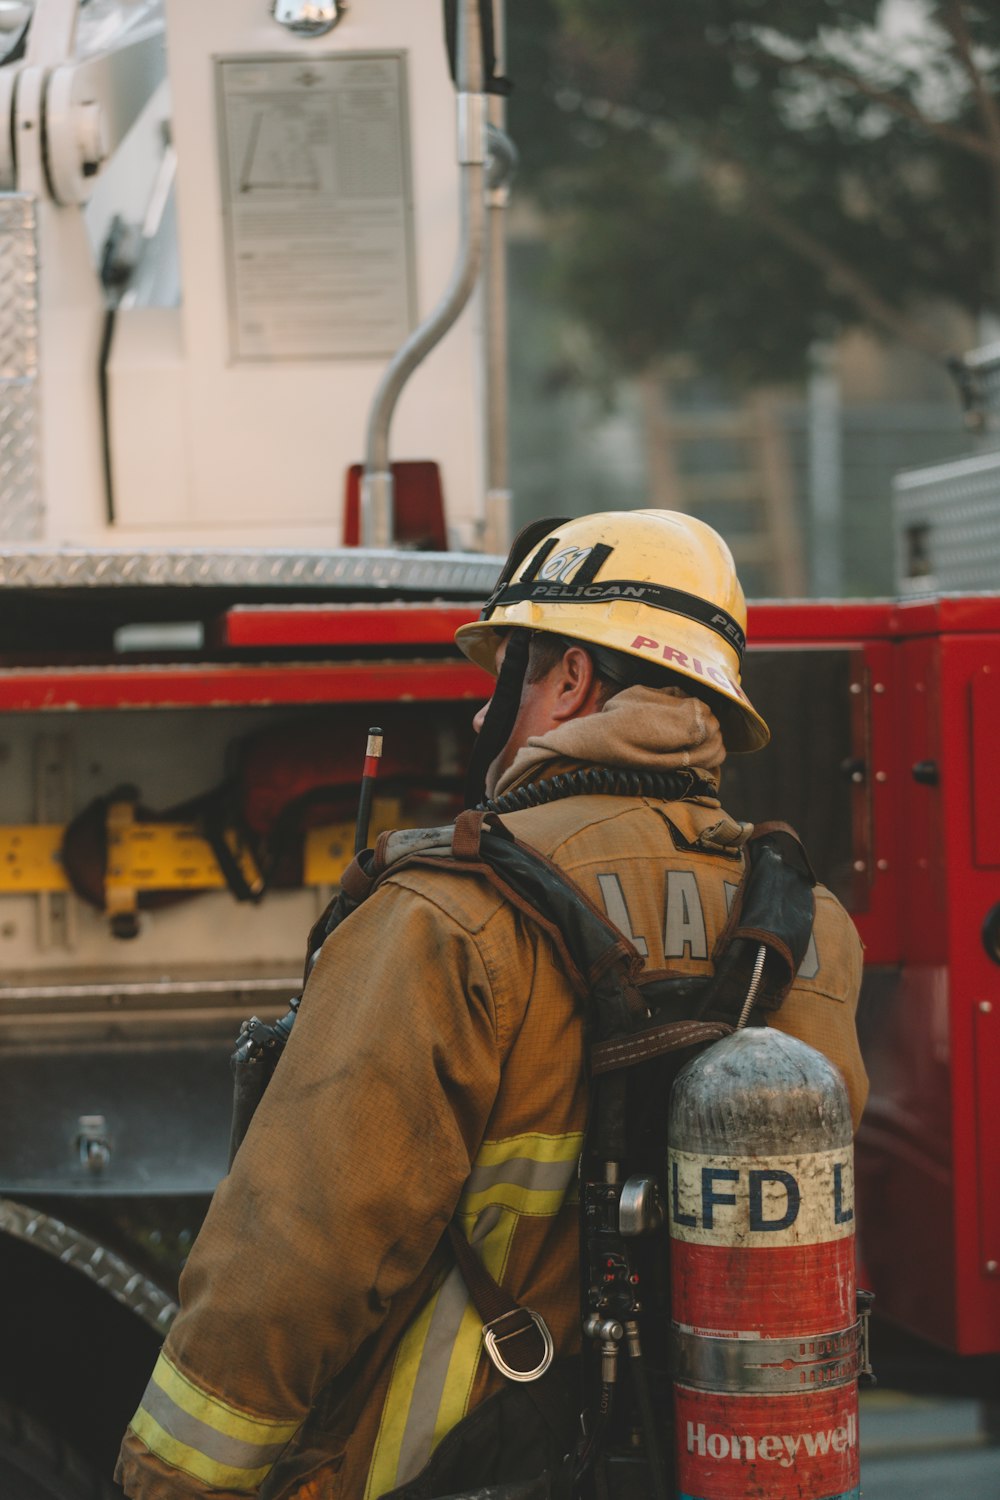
307 17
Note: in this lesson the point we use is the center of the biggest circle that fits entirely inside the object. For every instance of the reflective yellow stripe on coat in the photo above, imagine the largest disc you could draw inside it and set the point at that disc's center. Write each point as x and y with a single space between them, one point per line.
438 1356
203 1436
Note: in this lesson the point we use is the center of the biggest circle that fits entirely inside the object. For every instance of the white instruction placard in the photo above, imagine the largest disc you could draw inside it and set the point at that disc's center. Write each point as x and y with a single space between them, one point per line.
317 205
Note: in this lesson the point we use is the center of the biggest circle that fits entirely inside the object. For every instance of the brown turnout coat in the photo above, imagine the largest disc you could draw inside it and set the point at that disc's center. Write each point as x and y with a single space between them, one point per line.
326 1342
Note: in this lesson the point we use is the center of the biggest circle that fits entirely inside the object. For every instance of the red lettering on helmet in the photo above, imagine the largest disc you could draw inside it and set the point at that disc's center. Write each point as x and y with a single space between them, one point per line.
728 683
671 654
697 666
643 643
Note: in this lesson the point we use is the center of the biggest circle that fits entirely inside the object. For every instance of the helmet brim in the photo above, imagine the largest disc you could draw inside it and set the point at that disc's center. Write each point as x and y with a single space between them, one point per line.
743 728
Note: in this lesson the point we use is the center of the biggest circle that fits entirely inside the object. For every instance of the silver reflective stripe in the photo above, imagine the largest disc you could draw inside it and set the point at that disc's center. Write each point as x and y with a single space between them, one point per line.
521 1171
428 1390
230 1452
418 1436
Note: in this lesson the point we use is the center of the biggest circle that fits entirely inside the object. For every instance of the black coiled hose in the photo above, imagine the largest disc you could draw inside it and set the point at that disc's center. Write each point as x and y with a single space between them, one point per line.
603 781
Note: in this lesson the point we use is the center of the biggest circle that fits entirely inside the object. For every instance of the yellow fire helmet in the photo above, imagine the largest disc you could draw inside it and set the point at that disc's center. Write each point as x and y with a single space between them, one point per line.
656 585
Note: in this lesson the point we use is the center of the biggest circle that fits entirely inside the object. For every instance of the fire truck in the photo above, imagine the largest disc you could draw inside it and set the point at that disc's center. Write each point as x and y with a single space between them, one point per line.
245 245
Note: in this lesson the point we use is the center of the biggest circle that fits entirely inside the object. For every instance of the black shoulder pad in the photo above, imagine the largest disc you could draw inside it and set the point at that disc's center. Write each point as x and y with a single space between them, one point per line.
774 909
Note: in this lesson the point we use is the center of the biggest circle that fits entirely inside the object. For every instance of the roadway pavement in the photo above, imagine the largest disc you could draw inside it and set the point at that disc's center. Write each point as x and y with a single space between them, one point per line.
916 1447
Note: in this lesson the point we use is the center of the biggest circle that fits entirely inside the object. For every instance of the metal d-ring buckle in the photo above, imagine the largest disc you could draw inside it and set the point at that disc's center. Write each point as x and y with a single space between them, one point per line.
490 1342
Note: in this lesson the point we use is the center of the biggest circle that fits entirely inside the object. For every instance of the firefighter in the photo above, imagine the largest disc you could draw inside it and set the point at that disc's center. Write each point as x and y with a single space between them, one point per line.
326 1344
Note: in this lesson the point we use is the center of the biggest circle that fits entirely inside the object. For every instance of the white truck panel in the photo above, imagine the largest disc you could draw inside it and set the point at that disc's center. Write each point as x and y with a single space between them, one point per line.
268 442
207 447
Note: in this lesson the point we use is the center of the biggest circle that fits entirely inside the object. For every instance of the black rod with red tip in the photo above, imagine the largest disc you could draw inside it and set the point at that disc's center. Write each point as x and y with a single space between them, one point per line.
369 775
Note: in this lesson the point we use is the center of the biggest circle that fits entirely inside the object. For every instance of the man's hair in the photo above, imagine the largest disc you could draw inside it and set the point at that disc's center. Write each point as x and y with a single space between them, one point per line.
545 651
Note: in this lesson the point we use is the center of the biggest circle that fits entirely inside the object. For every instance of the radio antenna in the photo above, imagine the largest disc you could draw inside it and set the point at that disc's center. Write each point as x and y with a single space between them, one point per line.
369 775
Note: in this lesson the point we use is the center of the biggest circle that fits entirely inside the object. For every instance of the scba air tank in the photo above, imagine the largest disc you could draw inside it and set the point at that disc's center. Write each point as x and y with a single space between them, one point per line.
765 1335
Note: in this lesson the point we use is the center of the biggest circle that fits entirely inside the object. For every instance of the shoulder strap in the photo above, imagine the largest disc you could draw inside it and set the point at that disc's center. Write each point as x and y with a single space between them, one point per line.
773 911
602 965
772 914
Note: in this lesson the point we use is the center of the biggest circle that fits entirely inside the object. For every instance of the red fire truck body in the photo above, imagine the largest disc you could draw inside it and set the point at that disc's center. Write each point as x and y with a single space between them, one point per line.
917 860
925 712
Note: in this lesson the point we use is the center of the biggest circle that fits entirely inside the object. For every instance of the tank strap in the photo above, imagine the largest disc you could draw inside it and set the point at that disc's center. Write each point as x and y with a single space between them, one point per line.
517 1340
654 1041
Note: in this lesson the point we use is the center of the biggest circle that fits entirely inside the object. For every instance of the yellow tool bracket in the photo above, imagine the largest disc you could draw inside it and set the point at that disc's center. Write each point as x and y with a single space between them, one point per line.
166 856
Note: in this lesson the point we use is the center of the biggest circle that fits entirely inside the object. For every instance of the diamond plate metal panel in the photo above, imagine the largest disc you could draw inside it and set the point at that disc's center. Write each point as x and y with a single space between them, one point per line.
948 525
469 575
93 1260
21 505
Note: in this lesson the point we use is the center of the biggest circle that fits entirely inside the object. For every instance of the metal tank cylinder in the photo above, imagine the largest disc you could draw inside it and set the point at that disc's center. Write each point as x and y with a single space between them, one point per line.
764 1334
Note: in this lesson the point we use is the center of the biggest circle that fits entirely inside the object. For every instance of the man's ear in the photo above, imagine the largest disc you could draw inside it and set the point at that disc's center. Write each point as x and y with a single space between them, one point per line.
577 687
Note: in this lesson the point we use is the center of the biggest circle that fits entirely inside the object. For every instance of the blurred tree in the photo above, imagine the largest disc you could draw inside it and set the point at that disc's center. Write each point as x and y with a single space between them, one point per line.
732 179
